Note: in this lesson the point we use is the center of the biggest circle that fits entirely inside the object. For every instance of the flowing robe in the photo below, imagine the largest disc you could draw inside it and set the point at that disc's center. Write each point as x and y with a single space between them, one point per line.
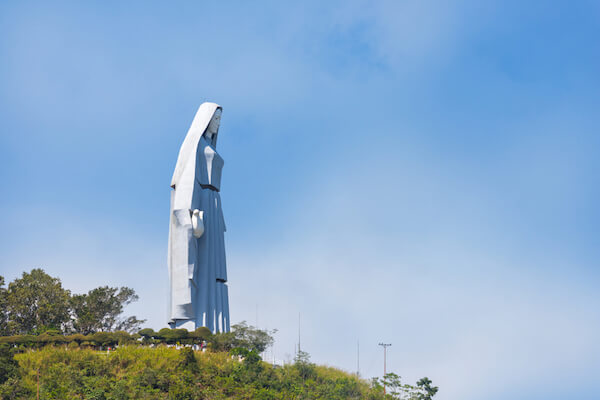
197 266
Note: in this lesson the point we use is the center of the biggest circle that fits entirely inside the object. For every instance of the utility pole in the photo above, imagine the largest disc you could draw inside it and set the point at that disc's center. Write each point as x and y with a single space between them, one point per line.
299 333
357 359
385 346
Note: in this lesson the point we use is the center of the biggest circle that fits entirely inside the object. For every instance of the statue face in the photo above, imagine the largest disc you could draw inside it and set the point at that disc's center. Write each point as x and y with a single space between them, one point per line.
213 125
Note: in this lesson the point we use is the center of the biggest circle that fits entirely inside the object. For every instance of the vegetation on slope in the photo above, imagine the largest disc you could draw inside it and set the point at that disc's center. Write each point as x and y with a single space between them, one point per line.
54 347
167 373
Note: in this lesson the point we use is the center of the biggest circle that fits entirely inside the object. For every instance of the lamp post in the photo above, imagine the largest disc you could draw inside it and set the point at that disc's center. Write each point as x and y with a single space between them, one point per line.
385 346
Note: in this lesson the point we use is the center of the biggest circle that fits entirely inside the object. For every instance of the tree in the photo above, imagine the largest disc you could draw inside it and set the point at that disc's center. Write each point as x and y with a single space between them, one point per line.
429 391
251 338
36 302
244 336
100 309
130 324
147 333
3 310
397 390
8 365
393 383
201 333
302 363
172 336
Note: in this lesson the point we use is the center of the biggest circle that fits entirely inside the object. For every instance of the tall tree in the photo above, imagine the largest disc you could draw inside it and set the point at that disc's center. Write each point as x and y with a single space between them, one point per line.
244 336
429 391
3 310
36 302
101 308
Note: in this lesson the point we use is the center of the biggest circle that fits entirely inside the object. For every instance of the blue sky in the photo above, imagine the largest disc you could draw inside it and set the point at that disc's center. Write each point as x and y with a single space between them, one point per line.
416 172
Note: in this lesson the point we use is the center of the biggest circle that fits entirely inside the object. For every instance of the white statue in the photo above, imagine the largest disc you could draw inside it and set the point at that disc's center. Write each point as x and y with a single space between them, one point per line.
197 269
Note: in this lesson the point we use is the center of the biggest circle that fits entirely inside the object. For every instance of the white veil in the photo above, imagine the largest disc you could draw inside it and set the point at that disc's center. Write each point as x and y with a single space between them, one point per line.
190 144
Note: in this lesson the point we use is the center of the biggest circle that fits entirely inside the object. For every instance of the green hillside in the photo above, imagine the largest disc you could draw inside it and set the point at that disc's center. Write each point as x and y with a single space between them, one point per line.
53 345
136 372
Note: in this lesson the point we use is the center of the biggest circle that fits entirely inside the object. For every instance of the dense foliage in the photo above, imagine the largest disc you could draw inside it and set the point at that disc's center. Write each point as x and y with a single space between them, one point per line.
241 337
167 373
37 302
244 336
100 308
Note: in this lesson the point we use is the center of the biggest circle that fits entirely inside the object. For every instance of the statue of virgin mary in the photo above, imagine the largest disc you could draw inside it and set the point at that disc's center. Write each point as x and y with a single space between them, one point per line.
197 270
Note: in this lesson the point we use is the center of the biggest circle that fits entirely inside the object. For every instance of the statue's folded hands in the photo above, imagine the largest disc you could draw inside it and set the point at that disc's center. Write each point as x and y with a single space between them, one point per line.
198 223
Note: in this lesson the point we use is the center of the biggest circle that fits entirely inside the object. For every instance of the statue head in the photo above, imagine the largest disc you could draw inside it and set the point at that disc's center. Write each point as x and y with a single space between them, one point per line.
205 124
213 127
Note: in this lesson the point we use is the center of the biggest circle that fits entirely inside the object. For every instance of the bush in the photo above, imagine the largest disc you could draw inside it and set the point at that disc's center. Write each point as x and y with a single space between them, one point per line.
187 360
73 346
200 334
147 333
77 337
102 339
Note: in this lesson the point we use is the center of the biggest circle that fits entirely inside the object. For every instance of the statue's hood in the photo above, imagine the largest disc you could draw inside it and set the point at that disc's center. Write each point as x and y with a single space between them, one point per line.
190 144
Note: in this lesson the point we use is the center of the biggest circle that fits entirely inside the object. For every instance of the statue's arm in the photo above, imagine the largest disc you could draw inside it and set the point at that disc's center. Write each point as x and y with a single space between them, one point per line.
191 219
184 211
183 217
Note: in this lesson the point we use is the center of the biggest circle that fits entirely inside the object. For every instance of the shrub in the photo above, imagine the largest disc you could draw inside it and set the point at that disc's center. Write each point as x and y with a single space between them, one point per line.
102 339
73 346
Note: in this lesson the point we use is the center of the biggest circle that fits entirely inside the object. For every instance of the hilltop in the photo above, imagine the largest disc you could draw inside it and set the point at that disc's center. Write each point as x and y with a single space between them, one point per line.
59 345
137 372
